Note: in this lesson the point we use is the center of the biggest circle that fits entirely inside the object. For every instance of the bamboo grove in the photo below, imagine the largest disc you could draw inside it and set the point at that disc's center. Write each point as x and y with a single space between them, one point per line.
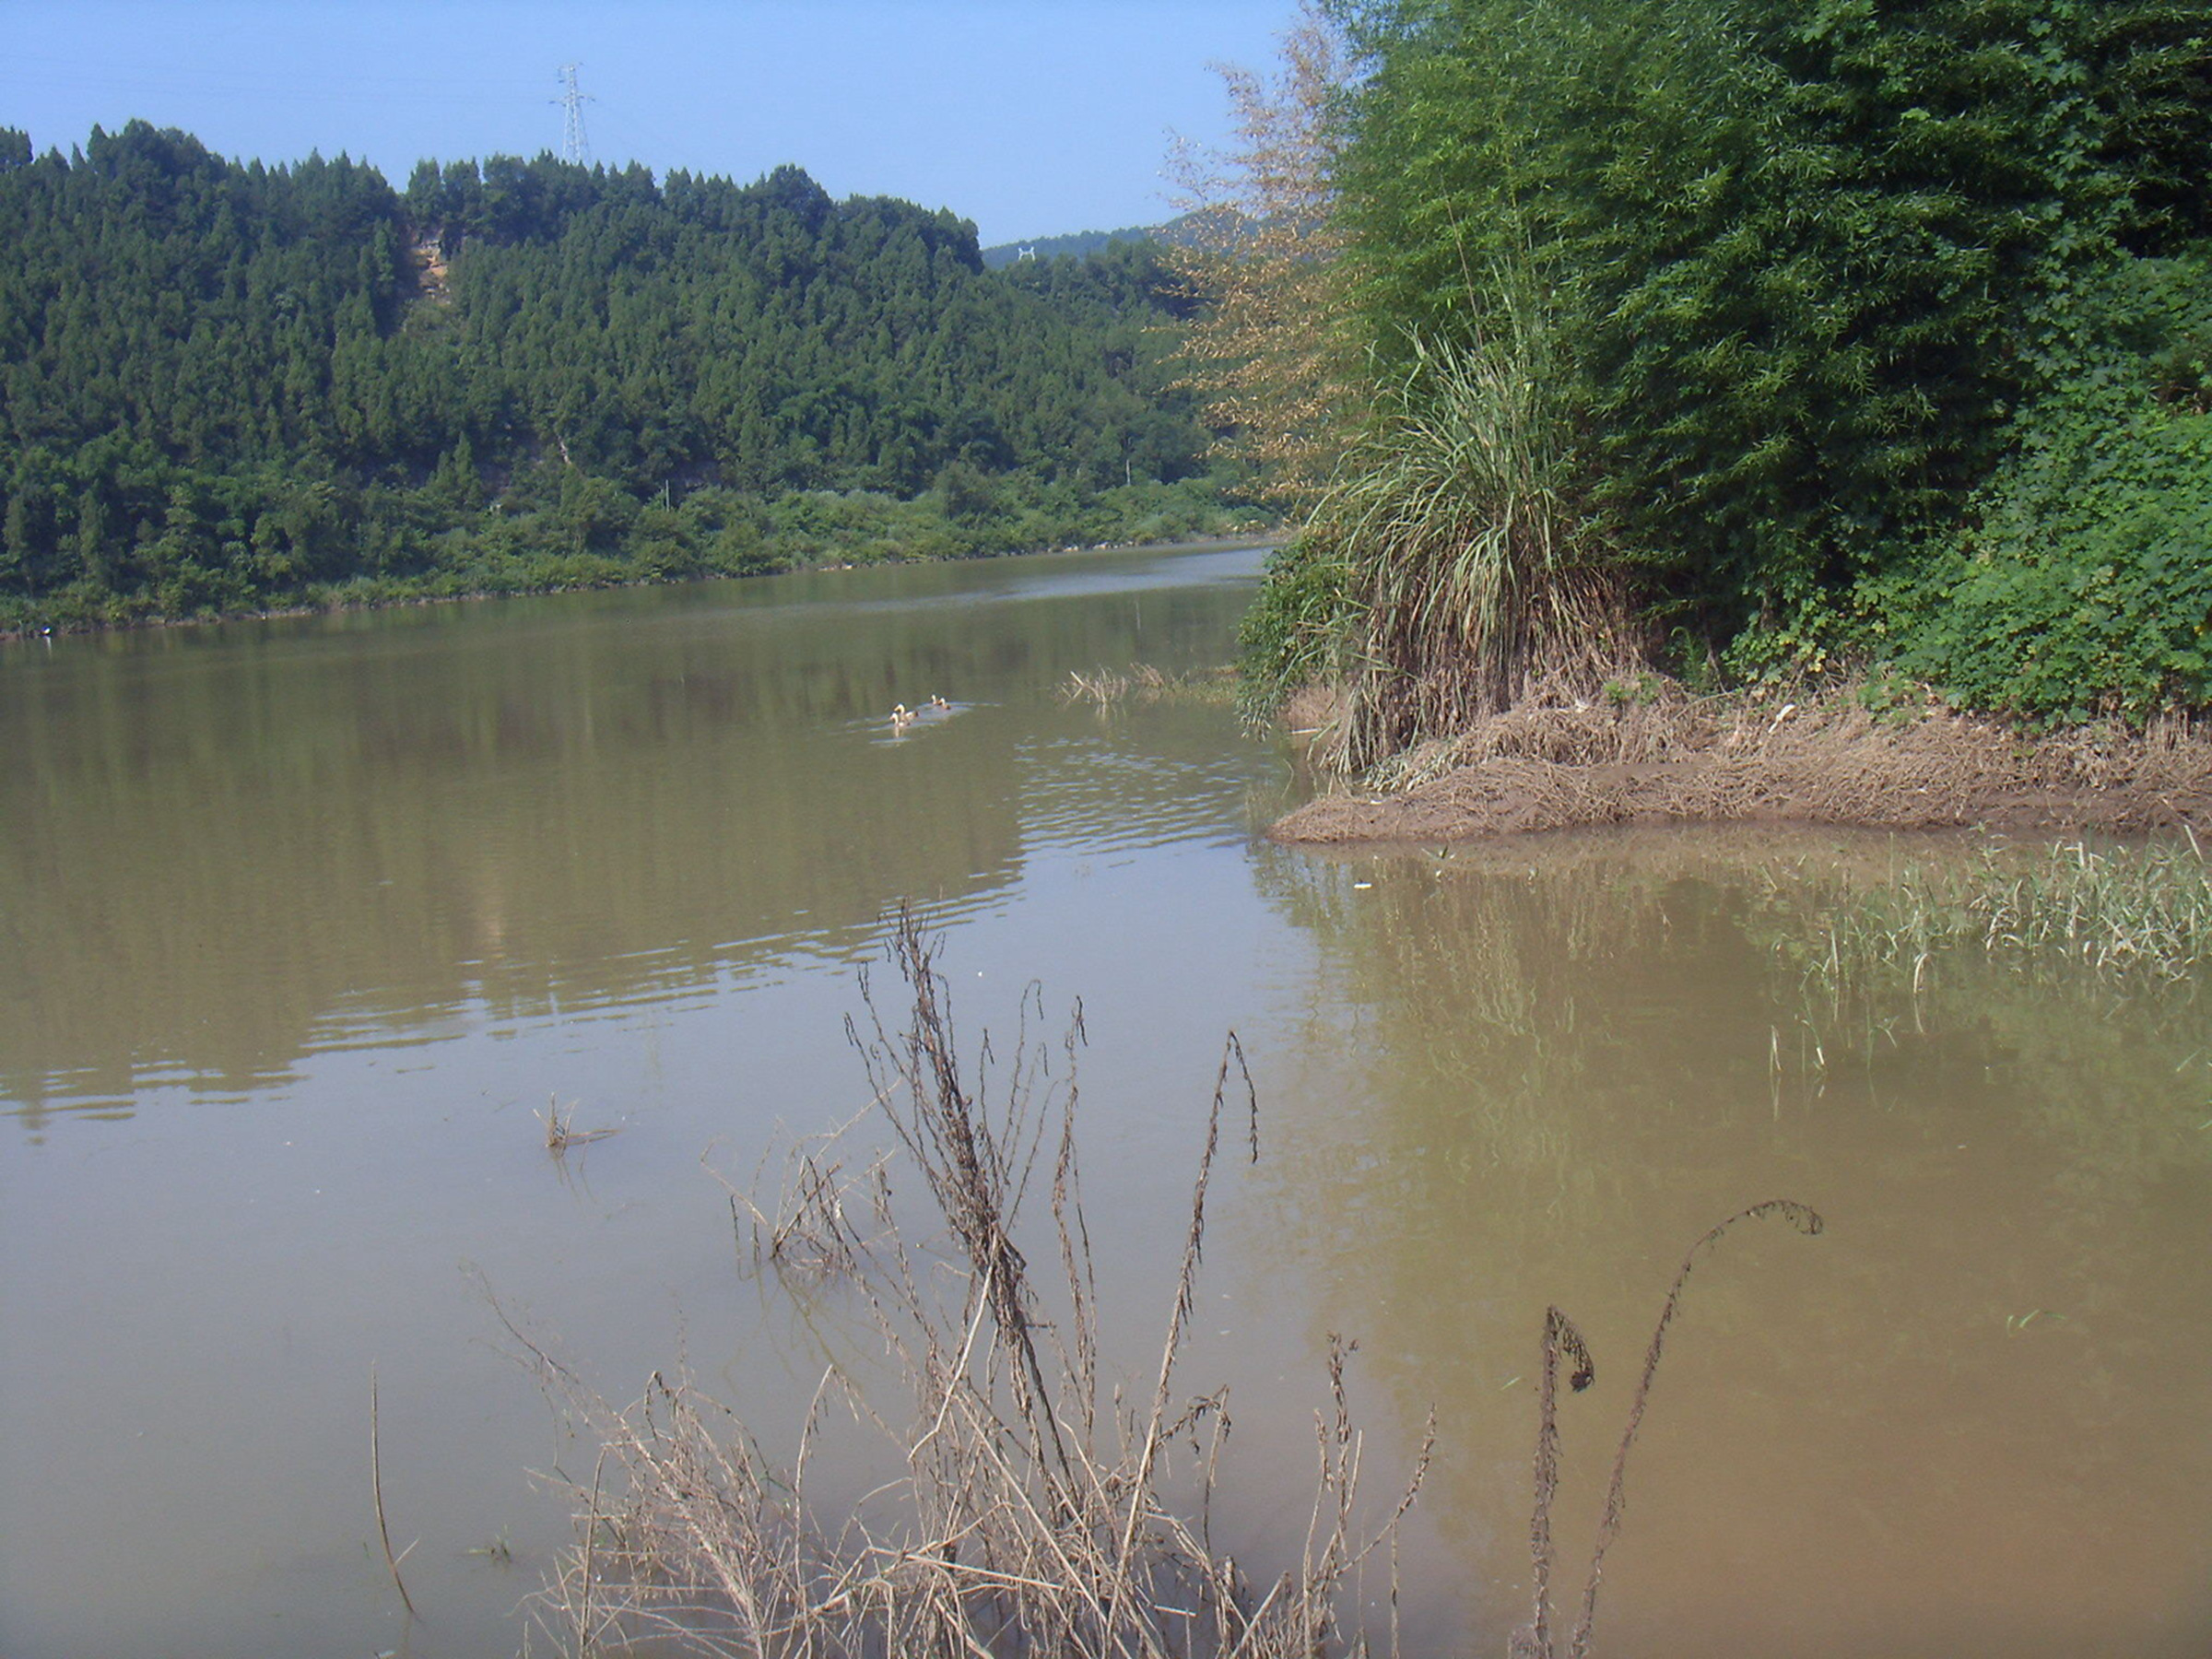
1751 338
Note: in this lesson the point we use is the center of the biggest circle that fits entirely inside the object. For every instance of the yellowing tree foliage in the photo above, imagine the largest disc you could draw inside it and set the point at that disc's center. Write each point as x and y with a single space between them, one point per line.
1269 351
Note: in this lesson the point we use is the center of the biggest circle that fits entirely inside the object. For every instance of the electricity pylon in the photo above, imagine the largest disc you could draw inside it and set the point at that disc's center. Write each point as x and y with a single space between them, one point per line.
574 146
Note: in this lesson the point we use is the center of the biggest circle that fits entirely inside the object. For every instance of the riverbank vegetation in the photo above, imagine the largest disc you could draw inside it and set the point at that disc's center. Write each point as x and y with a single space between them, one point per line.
2128 914
1030 1504
228 386
1748 343
1035 1507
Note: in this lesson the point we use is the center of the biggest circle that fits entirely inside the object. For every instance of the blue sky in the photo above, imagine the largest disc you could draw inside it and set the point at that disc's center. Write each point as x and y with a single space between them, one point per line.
1031 117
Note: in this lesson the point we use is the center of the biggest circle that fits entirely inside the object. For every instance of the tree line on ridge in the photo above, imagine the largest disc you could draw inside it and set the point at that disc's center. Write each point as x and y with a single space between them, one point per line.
225 385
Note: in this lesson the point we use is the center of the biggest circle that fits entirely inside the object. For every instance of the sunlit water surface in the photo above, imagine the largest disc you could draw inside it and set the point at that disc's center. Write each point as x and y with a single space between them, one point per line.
303 922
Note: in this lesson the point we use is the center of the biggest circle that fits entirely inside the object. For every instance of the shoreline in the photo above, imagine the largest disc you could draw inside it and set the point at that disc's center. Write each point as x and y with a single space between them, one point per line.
1826 762
1180 543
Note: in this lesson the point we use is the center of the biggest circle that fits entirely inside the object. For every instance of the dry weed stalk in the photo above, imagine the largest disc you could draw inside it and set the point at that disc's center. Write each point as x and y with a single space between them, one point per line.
1561 1340
560 1128
1030 1515
810 1225
376 1487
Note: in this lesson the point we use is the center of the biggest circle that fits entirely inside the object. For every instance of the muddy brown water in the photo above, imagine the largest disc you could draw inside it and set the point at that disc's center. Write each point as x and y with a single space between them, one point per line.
302 922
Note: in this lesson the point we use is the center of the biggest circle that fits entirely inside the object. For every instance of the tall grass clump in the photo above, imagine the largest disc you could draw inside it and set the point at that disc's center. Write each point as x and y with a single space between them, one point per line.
1466 575
1032 1507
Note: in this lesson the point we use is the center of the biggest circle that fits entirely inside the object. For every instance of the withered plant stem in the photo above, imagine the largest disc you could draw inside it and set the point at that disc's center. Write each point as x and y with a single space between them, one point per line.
1029 1517
376 1486
1806 1221
1562 1339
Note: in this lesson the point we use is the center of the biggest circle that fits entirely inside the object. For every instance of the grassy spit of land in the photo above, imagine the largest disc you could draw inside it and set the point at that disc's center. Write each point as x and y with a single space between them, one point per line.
1761 412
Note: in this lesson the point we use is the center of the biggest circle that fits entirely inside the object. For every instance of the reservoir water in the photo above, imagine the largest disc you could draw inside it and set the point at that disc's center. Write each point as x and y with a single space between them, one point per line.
305 923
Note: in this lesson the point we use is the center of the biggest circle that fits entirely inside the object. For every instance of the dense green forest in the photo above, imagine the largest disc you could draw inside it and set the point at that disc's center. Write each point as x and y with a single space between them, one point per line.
1755 336
226 386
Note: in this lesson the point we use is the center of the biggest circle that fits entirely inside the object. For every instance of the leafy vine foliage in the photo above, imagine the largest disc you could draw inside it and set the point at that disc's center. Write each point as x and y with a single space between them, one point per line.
222 384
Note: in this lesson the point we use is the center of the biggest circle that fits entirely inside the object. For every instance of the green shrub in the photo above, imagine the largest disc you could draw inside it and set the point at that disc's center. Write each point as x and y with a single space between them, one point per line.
1294 631
2081 583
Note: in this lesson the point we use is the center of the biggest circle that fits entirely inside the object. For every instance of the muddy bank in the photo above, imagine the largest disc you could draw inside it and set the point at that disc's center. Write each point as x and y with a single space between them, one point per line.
1736 761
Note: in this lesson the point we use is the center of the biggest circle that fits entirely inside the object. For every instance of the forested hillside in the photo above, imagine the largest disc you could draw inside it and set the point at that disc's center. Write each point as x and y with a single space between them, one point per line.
225 385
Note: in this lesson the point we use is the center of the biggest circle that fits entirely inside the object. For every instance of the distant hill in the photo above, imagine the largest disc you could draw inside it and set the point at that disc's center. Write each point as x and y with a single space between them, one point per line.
1077 243
222 385
1180 231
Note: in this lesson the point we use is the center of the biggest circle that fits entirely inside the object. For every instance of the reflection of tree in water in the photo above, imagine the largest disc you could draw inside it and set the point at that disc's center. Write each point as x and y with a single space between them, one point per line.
1661 979
218 851
1535 1071
1498 983
516 836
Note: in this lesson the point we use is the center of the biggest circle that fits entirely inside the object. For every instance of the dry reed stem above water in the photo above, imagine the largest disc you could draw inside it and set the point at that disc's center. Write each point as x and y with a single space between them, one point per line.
376 1488
814 1221
1564 1341
561 1130
1033 1511
1107 688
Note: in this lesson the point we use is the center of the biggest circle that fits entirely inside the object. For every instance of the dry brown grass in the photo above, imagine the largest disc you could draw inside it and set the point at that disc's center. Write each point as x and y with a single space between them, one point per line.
1026 1511
1645 751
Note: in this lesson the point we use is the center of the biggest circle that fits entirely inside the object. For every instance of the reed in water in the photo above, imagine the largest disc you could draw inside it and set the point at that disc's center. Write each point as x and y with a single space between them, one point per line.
1033 1508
